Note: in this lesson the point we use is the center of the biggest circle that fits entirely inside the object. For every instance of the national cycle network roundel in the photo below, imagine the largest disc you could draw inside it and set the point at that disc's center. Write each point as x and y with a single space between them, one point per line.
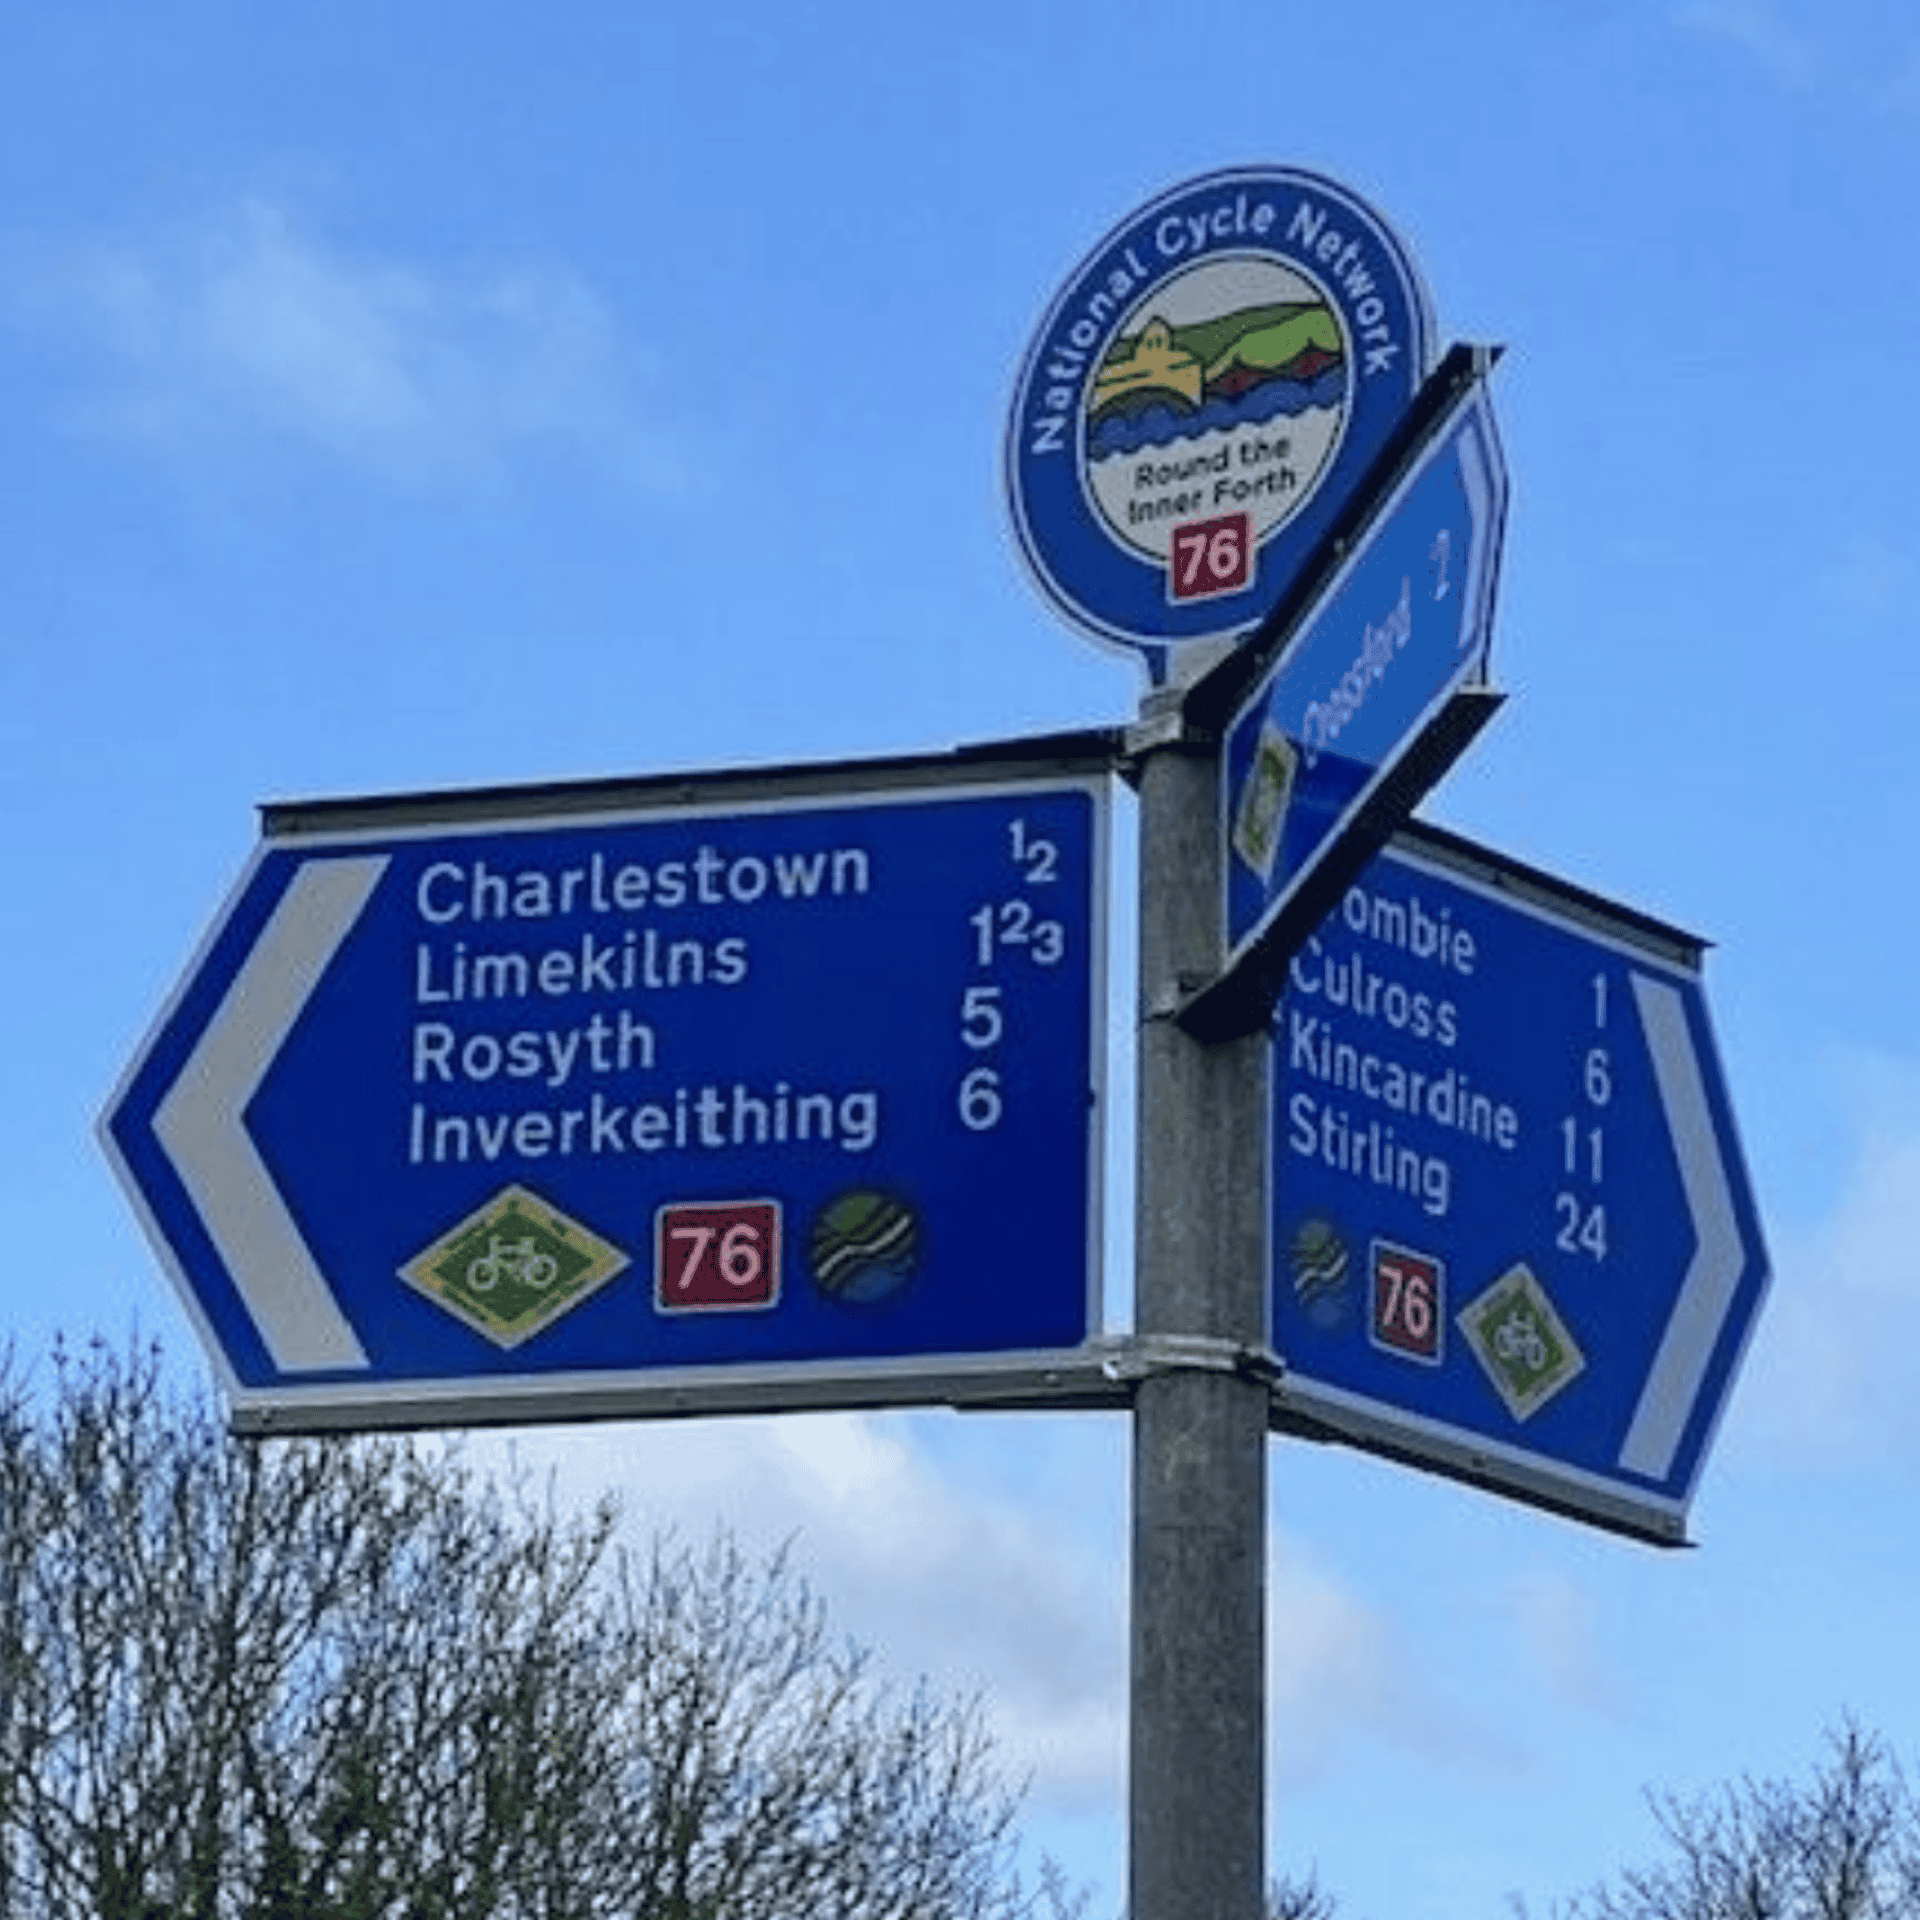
1203 397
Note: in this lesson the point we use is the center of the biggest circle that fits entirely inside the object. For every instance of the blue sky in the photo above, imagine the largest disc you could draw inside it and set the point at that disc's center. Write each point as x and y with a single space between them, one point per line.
403 399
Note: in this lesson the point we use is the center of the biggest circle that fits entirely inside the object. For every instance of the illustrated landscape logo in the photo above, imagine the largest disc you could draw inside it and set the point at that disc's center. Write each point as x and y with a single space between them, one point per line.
1227 399
513 1267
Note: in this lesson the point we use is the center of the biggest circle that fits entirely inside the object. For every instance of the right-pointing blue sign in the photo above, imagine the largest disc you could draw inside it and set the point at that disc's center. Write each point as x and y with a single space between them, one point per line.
1513 1234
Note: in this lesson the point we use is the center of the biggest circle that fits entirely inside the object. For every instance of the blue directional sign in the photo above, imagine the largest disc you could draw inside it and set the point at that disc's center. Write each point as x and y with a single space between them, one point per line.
1513 1237
1368 672
533 1105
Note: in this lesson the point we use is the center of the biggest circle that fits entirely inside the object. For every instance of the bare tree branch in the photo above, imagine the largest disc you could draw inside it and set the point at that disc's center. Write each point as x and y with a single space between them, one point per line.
1843 1846
357 1681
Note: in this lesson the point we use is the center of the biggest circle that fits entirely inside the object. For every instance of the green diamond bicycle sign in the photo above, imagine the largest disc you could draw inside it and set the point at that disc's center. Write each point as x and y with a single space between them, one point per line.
513 1266
1524 1345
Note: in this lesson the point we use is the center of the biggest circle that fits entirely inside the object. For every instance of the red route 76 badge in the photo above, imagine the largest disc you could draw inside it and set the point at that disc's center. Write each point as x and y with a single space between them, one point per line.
1408 1311
716 1256
1211 556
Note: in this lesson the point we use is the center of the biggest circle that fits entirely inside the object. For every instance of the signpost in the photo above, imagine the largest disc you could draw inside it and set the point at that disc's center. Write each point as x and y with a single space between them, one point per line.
580 1100
1513 1237
743 1092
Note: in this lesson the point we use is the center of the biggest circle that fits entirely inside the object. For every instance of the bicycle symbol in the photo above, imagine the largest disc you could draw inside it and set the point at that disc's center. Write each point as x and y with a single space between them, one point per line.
1518 1337
511 1260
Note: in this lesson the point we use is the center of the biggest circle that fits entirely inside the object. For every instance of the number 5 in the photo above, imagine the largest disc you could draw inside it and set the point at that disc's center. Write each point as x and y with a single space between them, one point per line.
981 1021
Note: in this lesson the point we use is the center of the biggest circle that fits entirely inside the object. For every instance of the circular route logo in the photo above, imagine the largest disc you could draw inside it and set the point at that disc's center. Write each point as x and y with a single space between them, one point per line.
1203 397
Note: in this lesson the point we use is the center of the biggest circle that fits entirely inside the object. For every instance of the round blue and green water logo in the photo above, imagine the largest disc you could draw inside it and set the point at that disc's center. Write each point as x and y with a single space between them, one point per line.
1203 397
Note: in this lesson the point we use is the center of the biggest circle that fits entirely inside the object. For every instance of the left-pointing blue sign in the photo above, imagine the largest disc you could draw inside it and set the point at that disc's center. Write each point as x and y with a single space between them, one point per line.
1404 623
534 1102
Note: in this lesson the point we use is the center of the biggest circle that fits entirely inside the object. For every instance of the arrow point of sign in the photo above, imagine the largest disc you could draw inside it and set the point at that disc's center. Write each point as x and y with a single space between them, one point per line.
1672 1389
201 1123
1483 479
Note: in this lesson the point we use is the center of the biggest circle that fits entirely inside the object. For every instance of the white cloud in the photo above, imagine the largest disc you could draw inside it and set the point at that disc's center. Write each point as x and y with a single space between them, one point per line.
1758 30
1557 1630
1872 576
981 1593
1833 1375
1007 1588
1330 1675
1866 57
245 333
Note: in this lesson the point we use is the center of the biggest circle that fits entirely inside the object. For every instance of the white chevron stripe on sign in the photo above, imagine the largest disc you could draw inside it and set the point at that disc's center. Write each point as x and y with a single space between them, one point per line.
1706 1296
202 1125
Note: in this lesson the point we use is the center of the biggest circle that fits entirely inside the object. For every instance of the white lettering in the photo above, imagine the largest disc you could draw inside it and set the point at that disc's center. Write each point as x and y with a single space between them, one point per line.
1328 717
553 1056
451 891
686 1120
1373 1152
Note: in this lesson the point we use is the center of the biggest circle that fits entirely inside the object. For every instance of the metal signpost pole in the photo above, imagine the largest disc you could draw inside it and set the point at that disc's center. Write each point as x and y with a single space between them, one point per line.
1198 1679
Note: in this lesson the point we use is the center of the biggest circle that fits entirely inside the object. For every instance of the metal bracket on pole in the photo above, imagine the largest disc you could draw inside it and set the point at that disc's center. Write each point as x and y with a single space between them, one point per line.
1147 1355
1162 727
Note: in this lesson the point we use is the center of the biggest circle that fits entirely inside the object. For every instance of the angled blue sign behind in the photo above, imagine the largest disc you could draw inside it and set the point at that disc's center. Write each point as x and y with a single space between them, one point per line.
1403 624
573 1101
1513 1236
